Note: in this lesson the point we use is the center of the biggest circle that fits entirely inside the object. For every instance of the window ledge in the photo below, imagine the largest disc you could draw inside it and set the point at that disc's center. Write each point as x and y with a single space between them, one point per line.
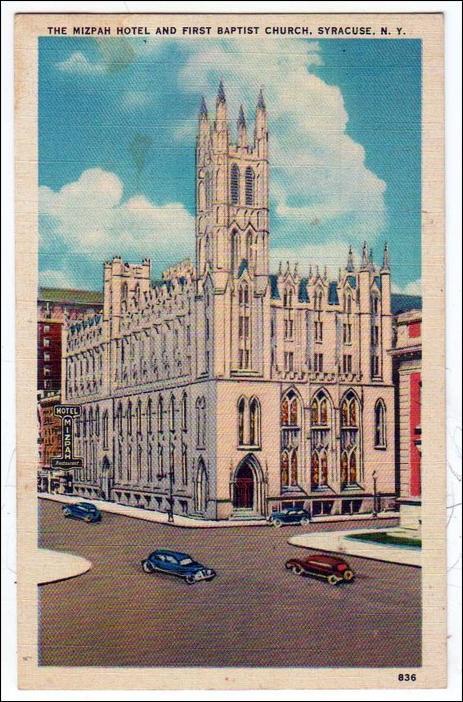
249 447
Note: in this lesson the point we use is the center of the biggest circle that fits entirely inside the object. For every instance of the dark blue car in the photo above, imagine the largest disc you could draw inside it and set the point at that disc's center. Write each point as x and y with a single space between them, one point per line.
83 510
179 564
290 515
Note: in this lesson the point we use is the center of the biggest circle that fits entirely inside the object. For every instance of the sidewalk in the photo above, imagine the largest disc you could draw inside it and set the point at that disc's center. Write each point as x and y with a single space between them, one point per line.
191 522
336 542
52 566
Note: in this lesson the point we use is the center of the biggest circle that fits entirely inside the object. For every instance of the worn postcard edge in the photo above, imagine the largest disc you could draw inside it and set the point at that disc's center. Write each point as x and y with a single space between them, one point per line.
432 674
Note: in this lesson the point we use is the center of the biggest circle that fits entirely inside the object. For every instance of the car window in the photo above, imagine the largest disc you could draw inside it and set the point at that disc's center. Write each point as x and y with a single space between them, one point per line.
170 559
186 561
160 556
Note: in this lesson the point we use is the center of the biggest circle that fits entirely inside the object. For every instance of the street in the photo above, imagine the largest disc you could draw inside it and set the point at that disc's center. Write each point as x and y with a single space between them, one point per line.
255 613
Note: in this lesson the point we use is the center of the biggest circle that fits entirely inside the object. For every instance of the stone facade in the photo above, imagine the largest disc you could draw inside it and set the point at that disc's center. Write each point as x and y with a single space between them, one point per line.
407 379
222 390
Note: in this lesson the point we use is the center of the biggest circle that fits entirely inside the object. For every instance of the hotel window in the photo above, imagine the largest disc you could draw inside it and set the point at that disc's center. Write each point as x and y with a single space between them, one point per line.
318 363
347 363
46 341
374 335
139 454
375 365
129 463
139 417
150 464
149 416
172 462
380 424
46 356
249 185
375 304
119 418
235 184
348 303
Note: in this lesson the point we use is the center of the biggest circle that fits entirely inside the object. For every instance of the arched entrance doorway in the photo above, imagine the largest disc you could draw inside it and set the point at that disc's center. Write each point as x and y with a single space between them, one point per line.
248 486
244 488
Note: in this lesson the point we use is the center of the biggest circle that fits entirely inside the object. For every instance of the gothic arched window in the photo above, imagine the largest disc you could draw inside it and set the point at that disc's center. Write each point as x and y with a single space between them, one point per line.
254 422
172 413
380 424
149 416
320 435
184 412
294 467
105 430
139 417
284 468
241 413
235 184
160 415
129 418
249 185
350 440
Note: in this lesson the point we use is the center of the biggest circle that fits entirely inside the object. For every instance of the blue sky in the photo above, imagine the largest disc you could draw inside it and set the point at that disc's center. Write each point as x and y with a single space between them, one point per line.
117 122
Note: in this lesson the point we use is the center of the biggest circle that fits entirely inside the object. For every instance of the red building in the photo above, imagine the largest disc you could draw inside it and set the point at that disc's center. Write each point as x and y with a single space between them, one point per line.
52 306
407 379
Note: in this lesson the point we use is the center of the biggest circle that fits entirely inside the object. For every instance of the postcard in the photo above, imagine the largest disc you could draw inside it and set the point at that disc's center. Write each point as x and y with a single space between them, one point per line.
230 329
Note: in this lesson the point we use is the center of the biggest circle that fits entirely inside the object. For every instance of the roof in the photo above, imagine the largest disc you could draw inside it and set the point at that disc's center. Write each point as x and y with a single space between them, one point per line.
70 296
168 552
405 303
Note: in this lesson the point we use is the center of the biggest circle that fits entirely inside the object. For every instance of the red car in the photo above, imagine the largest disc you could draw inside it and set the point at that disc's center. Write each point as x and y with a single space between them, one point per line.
334 569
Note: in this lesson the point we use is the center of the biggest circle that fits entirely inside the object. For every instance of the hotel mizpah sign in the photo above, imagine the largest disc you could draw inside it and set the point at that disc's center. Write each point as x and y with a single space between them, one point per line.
233 225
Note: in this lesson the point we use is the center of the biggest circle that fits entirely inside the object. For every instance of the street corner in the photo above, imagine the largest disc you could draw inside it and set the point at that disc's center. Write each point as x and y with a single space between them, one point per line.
389 545
53 566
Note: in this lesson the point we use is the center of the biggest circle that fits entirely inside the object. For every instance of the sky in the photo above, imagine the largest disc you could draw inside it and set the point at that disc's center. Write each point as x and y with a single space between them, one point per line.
117 127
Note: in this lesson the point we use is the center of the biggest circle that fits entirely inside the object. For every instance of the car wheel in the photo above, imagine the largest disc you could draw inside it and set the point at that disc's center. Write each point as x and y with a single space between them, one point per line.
67 512
147 567
87 519
297 570
305 521
277 523
333 580
348 575
190 579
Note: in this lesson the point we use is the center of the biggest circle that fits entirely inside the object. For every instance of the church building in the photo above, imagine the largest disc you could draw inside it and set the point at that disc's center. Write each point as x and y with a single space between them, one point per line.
224 391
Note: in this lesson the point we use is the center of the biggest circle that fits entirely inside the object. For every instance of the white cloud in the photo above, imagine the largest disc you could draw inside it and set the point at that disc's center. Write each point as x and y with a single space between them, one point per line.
318 172
77 62
135 99
412 288
87 221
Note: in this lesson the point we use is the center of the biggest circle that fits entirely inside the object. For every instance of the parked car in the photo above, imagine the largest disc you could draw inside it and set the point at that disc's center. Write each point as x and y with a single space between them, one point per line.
82 510
290 515
334 569
179 564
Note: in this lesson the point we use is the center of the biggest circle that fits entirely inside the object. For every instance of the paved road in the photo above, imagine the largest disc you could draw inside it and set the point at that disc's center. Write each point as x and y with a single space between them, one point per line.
254 613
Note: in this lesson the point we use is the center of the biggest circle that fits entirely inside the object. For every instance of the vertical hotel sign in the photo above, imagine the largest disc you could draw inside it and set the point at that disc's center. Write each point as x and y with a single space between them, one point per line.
67 413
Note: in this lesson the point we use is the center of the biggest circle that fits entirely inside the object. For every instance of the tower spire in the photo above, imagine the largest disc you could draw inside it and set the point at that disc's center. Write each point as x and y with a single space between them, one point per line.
203 108
364 255
221 93
386 259
241 126
350 261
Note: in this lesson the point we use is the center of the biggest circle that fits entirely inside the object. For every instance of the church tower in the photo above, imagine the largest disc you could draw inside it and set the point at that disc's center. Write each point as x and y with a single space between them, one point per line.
232 231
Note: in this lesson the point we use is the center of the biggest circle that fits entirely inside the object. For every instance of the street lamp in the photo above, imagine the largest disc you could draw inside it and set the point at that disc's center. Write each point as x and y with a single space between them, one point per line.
170 499
375 511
